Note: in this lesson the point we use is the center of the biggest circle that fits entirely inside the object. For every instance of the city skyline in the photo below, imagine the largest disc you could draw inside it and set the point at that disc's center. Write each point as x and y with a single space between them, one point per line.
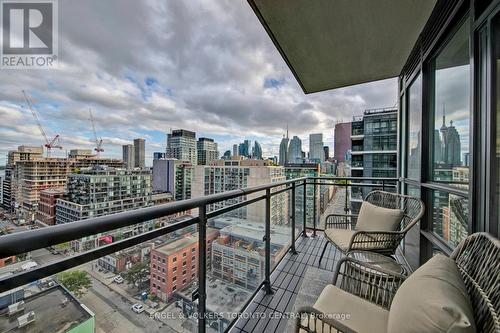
144 94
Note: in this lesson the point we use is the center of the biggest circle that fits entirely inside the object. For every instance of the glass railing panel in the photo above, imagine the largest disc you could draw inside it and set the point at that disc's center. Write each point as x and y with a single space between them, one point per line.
235 263
148 287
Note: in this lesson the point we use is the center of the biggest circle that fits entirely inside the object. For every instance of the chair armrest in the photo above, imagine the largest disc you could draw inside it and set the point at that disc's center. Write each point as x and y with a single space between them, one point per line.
371 283
341 221
379 241
311 320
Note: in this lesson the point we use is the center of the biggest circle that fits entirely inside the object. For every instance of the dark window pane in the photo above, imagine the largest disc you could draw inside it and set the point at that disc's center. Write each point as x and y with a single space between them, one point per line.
496 28
452 110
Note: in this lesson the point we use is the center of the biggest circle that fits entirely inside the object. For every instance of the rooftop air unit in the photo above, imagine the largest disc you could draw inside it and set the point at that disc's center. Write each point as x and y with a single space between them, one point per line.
15 308
25 319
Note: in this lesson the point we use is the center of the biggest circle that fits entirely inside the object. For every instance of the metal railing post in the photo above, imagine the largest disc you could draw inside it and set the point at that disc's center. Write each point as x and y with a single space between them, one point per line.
292 217
383 185
346 208
267 240
202 267
315 207
304 204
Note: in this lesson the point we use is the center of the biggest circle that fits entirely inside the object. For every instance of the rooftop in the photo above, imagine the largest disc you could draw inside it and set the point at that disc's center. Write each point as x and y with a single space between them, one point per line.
181 243
57 304
222 297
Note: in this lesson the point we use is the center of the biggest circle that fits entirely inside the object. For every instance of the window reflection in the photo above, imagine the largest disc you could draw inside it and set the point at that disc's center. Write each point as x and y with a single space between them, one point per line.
452 110
414 127
450 217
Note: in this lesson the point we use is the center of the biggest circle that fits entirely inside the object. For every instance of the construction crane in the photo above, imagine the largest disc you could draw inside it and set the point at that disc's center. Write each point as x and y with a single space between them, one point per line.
49 144
98 142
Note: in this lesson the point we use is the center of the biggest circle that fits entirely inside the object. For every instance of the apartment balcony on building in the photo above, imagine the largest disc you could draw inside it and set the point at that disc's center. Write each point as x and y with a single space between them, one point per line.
407 243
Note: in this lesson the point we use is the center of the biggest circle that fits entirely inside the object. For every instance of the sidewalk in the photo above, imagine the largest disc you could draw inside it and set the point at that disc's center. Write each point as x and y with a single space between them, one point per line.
108 281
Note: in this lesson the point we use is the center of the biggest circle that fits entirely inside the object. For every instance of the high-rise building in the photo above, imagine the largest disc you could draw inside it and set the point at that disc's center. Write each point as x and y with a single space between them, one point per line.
342 141
181 144
227 155
316 152
283 158
226 175
295 150
451 148
173 176
374 149
100 191
235 150
128 156
326 152
257 151
10 190
299 170
207 151
244 148
139 153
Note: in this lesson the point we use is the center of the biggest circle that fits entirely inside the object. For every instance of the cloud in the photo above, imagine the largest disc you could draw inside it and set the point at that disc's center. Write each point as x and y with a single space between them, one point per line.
147 66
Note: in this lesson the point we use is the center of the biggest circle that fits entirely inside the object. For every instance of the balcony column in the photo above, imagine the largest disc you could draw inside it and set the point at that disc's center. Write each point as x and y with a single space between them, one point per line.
304 202
267 240
202 267
315 207
292 217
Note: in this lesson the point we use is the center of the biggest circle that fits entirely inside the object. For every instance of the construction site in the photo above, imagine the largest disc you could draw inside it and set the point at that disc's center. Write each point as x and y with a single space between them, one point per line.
32 169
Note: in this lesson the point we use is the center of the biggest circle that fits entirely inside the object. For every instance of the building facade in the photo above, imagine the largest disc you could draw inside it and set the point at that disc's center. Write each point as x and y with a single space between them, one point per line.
207 151
174 265
374 149
46 212
283 157
316 152
128 154
342 141
10 190
238 253
257 151
295 151
293 171
102 191
227 175
139 153
181 144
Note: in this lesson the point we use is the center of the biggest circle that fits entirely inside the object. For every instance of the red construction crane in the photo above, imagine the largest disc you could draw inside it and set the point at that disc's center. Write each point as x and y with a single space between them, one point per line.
49 144
98 148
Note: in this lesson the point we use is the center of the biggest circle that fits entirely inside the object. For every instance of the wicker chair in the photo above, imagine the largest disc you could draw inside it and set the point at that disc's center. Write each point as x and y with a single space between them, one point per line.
384 242
477 259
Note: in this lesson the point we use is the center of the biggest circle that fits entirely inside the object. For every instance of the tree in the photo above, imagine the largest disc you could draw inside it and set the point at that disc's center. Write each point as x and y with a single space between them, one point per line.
76 282
138 273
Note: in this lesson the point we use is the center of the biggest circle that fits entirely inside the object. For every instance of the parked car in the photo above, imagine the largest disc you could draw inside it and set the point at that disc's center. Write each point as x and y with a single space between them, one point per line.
118 279
138 308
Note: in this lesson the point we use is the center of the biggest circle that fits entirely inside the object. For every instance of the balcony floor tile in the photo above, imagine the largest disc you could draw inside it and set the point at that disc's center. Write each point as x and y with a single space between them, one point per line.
270 313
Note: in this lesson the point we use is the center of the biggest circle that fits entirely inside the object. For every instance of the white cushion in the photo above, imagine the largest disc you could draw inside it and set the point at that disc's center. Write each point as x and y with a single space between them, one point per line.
352 311
432 300
374 218
341 237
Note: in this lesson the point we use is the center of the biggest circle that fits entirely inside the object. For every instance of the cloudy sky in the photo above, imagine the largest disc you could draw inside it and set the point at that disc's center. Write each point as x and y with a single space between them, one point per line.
145 67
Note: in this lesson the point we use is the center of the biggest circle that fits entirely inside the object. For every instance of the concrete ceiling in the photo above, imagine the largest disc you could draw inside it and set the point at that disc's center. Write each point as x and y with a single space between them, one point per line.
336 43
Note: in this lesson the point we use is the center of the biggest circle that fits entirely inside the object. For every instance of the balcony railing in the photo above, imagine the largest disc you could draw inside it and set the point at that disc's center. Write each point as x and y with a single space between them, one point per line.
310 188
